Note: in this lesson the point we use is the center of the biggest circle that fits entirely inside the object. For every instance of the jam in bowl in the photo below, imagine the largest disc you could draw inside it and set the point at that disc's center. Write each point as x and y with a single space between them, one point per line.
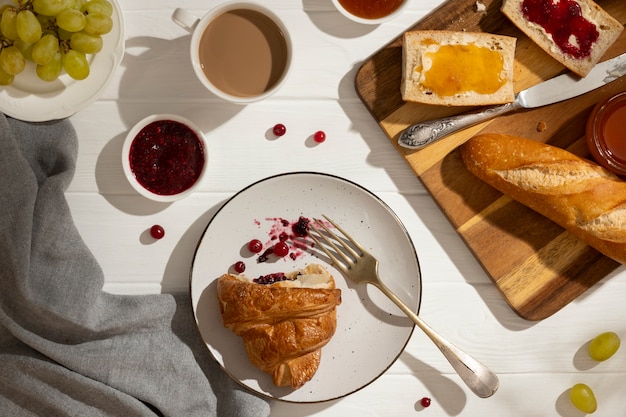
164 157
371 12
606 135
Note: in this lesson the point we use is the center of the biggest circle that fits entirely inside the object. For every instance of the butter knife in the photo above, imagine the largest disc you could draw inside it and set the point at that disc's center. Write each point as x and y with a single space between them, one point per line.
556 89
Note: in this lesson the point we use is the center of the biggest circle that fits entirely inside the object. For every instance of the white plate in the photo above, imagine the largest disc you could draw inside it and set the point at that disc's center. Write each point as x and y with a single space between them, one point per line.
371 330
33 100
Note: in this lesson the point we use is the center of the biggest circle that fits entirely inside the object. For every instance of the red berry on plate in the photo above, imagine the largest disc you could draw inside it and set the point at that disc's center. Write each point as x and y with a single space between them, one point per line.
425 402
319 136
255 246
281 249
239 267
157 231
279 129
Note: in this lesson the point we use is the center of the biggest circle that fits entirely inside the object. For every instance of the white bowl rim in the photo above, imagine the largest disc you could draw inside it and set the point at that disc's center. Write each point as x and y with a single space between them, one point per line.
130 136
389 17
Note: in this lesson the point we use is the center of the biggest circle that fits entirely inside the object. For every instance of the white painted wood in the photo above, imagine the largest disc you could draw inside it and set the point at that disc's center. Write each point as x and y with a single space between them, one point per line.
537 362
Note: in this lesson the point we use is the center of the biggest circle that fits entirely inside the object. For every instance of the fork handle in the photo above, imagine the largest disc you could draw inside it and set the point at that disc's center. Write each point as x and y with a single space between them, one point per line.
480 379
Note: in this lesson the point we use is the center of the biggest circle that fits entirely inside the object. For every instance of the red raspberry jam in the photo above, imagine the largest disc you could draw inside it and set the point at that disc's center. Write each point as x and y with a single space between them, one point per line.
166 157
563 20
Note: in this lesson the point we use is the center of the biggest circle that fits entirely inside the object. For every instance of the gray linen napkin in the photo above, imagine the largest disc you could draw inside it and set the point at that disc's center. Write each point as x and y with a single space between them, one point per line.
66 347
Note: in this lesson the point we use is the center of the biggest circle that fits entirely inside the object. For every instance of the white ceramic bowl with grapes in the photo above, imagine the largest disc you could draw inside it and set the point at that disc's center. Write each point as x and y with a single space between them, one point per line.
84 40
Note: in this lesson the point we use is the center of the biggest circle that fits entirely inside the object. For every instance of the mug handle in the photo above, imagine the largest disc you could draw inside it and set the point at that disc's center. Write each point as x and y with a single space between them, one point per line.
185 19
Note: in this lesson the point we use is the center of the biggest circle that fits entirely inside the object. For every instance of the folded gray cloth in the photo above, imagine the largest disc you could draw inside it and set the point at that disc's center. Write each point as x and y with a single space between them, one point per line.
66 347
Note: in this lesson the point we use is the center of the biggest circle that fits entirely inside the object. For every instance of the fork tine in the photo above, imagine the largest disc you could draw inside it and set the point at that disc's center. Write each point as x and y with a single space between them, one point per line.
341 241
354 242
332 257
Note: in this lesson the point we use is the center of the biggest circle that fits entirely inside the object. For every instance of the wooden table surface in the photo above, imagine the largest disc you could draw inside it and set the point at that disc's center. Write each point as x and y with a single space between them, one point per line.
537 361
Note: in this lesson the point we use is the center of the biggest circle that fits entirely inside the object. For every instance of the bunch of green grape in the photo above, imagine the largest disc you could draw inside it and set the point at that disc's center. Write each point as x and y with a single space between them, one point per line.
57 35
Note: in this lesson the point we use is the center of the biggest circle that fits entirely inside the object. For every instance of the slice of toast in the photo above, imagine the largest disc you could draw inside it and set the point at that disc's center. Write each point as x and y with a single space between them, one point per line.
457 68
579 49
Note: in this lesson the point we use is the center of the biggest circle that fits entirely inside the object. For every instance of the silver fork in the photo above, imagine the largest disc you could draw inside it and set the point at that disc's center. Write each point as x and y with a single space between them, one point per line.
362 268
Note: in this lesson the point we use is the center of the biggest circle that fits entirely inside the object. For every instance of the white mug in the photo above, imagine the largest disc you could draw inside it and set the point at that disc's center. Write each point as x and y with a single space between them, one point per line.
217 42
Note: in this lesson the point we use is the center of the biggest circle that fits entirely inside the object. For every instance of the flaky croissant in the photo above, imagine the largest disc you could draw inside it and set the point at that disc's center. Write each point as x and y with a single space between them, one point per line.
284 324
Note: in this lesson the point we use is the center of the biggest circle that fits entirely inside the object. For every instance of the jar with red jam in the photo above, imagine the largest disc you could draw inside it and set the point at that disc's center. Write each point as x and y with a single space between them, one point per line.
606 133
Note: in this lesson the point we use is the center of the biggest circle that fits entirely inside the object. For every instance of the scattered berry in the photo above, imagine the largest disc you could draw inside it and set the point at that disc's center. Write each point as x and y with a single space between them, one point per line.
281 249
319 136
425 402
157 231
239 267
255 246
604 346
301 228
279 129
582 397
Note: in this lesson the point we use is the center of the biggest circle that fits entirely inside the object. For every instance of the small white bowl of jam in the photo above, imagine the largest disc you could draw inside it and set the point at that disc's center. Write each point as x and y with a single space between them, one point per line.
371 12
164 157
606 136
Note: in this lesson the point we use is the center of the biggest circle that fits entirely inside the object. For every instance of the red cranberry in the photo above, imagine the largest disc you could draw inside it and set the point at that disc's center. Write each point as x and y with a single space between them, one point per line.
239 267
281 249
157 231
255 246
425 402
319 136
279 129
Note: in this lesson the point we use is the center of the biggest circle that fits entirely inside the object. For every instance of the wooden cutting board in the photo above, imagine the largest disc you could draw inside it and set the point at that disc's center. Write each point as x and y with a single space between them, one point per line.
538 267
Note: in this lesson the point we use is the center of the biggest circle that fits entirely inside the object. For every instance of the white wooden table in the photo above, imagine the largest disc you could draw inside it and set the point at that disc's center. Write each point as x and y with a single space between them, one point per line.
537 362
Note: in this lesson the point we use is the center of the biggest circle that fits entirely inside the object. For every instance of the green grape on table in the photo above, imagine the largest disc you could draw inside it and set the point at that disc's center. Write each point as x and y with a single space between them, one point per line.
75 64
71 20
8 25
44 49
86 43
11 60
52 70
5 78
98 24
603 346
50 7
583 398
28 26
97 6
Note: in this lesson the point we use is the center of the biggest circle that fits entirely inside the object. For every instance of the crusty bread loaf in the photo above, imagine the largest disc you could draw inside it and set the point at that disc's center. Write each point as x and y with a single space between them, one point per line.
575 193
607 27
284 324
457 68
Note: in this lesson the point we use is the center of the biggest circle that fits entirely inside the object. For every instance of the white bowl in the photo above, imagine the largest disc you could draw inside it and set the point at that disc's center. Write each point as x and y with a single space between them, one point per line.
153 192
377 21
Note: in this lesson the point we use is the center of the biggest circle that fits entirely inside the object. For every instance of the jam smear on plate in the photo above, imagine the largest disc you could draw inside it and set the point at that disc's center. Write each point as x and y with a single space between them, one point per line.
564 21
166 157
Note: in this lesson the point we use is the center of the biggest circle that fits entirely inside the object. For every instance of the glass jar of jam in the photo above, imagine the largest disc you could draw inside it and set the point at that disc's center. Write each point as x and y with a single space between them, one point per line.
606 133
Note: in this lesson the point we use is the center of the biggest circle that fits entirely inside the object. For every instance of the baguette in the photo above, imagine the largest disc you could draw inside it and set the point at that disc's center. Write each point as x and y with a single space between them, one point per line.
579 53
580 196
457 68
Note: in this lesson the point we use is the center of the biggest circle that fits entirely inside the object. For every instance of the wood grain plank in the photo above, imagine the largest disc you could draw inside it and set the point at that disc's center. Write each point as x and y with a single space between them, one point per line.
537 266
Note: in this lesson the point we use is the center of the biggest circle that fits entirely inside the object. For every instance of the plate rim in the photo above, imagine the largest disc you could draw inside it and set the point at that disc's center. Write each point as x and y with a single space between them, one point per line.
366 191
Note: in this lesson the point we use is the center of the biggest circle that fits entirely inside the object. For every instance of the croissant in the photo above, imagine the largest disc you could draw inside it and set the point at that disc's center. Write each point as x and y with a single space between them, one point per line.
283 324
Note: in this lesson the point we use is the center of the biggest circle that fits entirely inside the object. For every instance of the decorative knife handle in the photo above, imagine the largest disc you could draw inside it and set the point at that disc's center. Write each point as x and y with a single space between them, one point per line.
425 133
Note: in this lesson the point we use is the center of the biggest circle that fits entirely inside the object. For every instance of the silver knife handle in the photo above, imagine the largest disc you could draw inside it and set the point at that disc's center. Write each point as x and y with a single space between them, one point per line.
425 133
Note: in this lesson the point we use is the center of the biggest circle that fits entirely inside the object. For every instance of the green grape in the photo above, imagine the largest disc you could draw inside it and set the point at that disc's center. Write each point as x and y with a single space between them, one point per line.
98 24
11 60
44 49
25 48
51 70
76 65
79 4
98 6
583 398
71 20
64 35
5 78
49 7
604 346
47 22
28 26
86 43
8 25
